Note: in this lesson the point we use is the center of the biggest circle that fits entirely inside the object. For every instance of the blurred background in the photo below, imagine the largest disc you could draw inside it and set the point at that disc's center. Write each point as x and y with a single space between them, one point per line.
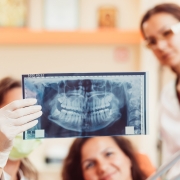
54 36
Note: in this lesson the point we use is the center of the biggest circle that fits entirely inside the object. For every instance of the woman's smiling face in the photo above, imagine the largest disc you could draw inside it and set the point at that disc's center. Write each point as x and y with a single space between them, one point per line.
166 45
102 159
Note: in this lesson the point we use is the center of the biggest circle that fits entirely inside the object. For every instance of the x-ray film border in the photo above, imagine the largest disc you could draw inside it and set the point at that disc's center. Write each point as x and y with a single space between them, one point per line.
80 76
87 74
143 82
146 103
142 104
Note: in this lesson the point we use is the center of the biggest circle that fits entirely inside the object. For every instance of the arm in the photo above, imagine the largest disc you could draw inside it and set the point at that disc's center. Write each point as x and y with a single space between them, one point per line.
15 118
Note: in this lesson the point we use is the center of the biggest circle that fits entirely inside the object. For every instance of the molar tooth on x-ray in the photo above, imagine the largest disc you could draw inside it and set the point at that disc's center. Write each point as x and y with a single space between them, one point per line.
89 104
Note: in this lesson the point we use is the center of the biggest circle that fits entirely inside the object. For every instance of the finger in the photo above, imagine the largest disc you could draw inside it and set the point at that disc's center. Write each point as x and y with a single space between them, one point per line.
24 111
26 126
20 104
26 119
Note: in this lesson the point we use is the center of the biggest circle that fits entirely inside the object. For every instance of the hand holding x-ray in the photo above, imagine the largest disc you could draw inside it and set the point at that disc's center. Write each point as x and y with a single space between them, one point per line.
15 118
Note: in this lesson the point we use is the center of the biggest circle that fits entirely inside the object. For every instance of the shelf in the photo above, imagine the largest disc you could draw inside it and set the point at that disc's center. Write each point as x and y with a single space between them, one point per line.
30 37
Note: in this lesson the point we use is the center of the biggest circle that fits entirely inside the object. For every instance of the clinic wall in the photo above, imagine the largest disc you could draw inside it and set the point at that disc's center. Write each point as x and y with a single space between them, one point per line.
88 13
127 18
18 60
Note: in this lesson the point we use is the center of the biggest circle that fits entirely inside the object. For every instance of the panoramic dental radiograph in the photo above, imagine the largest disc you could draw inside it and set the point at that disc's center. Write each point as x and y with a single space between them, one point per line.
87 105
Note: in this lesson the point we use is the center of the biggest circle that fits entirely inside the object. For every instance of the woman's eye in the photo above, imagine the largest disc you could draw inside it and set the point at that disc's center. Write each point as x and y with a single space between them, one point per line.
109 154
151 42
89 165
167 33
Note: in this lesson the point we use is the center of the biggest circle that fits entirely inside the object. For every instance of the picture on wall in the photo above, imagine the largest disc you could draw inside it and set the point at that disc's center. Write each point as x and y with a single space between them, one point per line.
107 17
61 14
13 13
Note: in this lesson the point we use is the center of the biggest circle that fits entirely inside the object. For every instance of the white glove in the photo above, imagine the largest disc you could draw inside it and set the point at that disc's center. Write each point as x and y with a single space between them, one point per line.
15 118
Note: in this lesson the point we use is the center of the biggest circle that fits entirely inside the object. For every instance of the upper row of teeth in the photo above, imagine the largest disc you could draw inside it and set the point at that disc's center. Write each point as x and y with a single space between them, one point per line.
79 105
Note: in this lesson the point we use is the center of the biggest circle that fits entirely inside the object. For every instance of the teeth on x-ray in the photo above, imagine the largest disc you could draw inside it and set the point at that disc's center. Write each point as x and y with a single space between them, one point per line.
91 103
90 109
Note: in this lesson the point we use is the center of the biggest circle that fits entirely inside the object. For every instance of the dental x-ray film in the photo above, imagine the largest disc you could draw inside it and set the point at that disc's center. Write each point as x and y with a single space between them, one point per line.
88 104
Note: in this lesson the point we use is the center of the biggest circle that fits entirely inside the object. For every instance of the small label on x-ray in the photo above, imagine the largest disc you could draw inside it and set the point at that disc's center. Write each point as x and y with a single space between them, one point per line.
39 133
129 130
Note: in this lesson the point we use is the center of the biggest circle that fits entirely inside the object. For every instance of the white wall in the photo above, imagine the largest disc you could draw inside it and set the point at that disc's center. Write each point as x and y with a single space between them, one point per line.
17 60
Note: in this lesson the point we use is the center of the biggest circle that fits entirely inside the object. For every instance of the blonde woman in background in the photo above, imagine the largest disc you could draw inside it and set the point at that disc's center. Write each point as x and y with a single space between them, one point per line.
160 27
15 118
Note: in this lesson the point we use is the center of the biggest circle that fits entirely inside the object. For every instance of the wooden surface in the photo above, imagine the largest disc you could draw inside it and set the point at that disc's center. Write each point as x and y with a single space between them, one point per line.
106 36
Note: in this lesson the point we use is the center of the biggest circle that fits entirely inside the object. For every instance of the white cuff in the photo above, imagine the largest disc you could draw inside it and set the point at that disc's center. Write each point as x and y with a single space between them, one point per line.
3 158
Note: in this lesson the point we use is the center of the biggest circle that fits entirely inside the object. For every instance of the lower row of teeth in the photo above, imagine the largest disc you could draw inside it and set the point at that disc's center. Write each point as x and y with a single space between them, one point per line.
96 116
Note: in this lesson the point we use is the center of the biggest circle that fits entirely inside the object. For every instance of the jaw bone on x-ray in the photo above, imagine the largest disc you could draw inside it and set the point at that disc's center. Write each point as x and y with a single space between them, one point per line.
88 104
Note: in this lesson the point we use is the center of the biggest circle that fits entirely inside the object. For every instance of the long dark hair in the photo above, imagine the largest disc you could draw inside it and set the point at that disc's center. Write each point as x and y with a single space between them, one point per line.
7 84
170 8
72 164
